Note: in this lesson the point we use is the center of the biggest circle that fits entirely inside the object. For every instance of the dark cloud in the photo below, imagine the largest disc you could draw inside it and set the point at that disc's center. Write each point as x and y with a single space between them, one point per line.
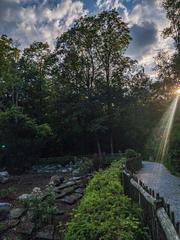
143 38
8 16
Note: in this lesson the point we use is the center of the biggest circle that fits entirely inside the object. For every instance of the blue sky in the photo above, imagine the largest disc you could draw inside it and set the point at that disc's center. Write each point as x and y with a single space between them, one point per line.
43 20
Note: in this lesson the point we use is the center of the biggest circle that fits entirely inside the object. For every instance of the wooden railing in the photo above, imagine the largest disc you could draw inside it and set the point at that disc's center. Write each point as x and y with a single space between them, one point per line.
156 212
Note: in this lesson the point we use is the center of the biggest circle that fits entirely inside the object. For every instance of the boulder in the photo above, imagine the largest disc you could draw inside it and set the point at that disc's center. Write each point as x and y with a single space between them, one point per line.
5 207
4 210
71 199
46 233
8 224
4 177
76 172
64 192
56 180
16 213
79 190
66 184
25 227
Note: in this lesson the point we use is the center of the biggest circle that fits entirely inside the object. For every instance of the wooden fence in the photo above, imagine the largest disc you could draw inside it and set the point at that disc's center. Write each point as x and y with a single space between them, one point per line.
156 212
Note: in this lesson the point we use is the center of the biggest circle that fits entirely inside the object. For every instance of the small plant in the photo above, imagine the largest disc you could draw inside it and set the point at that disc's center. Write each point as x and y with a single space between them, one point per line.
42 207
85 165
7 193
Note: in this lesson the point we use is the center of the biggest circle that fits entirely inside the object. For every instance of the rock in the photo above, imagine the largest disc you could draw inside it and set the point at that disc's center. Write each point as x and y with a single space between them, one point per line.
71 199
4 210
25 227
76 172
65 192
56 180
17 213
4 177
46 233
79 190
58 212
65 170
5 225
67 184
25 196
5 207
75 178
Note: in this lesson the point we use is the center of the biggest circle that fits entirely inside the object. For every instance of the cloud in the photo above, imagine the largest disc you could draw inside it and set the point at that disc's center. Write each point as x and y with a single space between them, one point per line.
29 21
110 4
144 36
44 20
147 21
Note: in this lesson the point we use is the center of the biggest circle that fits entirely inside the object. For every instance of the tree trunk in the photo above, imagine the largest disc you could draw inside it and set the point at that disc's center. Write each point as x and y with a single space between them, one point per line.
111 144
98 147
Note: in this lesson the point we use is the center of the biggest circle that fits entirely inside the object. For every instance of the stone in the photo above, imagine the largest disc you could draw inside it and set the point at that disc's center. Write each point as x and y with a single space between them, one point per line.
5 207
46 233
25 227
25 196
67 184
16 213
4 176
4 210
71 199
58 212
7 224
64 192
76 172
79 190
75 178
56 180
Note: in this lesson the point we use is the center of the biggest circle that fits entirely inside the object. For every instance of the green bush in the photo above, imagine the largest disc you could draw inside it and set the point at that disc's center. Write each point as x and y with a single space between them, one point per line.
105 212
21 139
129 153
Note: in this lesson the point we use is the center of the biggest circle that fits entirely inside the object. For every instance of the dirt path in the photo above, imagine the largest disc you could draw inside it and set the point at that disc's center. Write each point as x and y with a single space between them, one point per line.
156 176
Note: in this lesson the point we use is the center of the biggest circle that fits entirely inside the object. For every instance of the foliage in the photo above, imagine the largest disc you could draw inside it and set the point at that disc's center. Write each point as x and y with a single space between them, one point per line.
20 134
130 153
42 209
84 97
7 193
105 212
85 165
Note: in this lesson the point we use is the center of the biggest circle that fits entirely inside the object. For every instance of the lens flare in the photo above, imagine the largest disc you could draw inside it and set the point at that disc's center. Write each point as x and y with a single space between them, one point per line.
159 142
178 91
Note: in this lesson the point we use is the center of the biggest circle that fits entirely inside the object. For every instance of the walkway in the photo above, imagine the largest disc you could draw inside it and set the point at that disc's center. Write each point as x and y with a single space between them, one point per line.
156 176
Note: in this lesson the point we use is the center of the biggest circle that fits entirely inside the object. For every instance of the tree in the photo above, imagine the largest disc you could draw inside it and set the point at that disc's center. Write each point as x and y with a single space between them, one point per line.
90 55
172 8
10 86
35 70
22 138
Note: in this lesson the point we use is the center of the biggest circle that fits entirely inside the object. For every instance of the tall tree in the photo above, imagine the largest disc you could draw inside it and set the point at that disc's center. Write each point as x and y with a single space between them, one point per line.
172 8
35 71
94 48
10 85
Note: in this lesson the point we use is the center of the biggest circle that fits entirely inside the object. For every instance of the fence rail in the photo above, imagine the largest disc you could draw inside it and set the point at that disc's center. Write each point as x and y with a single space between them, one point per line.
156 212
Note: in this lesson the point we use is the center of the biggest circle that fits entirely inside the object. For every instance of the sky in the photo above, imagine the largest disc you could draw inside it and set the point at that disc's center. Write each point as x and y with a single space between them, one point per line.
43 20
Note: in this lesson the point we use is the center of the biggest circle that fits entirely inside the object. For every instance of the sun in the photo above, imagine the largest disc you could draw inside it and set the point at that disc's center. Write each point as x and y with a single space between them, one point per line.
178 91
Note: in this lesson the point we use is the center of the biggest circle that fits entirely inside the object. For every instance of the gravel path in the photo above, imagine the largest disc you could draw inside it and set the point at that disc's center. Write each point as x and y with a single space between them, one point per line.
156 176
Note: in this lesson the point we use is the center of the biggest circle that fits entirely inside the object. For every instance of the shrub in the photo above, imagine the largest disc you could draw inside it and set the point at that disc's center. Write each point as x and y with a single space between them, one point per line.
130 153
42 209
105 212
21 138
7 193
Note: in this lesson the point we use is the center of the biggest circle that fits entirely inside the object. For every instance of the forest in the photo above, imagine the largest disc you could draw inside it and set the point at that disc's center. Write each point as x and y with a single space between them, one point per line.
86 96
